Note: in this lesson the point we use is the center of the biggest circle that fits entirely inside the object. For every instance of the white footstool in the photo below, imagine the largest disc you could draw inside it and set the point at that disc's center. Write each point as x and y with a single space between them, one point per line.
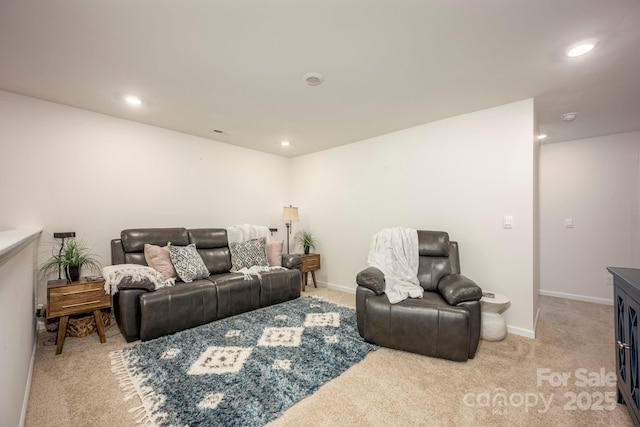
494 328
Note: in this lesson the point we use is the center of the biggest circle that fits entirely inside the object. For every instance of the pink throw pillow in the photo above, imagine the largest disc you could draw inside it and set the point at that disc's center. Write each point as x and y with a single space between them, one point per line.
274 253
158 258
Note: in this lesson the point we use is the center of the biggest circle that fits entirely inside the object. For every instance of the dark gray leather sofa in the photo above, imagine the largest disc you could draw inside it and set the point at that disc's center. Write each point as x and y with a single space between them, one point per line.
444 323
144 313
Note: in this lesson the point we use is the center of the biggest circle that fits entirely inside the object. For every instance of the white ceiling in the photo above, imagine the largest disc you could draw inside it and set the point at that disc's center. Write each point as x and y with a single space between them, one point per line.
237 65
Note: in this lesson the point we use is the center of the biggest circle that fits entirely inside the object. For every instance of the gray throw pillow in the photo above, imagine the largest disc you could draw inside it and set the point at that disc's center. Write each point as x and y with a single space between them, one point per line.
249 253
188 263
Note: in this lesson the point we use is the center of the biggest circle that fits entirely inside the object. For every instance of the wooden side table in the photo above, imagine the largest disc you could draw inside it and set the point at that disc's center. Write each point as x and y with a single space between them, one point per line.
83 296
310 263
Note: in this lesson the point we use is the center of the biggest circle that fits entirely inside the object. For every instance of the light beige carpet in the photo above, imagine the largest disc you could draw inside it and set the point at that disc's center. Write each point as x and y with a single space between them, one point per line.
389 387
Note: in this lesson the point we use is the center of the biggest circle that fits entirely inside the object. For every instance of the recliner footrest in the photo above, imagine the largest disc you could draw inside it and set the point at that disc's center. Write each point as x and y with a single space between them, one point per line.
424 326
279 286
176 308
237 295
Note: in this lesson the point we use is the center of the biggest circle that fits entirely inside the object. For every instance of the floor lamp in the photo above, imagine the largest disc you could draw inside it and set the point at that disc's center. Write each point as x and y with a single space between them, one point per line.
289 214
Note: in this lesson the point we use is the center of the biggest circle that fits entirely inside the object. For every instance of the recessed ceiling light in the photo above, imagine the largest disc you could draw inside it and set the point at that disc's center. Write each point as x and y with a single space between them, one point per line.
569 117
285 143
581 48
542 136
313 79
134 100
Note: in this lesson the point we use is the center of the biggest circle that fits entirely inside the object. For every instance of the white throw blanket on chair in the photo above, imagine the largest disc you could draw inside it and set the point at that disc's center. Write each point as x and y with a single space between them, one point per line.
394 251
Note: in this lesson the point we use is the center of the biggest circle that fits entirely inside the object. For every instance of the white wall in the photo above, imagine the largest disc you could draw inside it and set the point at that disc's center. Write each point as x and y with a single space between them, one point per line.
66 169
17 317
595 182
73 170
535 304
460 175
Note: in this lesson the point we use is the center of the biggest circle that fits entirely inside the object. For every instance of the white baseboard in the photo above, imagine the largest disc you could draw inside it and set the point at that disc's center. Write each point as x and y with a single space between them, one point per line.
27 391
576 297
338 287
527 333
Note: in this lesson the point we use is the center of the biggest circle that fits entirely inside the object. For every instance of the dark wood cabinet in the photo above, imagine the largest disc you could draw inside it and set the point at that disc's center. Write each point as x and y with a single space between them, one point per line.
627 310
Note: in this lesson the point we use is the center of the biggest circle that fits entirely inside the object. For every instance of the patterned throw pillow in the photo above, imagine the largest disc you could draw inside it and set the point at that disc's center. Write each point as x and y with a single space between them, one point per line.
188 262
249 253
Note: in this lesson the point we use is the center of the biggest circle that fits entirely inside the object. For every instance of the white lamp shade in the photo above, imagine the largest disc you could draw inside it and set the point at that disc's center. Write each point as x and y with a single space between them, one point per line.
290 213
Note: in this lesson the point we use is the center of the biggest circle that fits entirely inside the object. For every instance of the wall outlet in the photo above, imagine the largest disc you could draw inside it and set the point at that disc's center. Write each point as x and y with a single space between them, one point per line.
609 280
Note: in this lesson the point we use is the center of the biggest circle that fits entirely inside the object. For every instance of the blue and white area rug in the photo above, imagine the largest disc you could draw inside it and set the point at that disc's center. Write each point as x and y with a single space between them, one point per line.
245 370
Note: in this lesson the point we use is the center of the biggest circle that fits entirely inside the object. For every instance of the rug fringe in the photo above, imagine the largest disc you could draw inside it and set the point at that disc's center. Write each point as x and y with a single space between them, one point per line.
140 415
129 386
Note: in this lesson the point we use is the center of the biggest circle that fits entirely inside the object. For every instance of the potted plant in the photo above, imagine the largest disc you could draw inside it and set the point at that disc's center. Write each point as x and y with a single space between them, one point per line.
305 239
71 258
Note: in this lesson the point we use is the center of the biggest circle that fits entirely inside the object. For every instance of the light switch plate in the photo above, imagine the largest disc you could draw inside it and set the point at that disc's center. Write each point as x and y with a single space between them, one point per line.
507 221
568 223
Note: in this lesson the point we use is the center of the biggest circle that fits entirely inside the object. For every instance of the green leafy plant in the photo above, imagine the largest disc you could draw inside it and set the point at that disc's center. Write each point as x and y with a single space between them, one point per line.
72 256
306 240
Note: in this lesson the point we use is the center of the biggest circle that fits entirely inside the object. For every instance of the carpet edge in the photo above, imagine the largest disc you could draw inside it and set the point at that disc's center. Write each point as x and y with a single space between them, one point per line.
324 299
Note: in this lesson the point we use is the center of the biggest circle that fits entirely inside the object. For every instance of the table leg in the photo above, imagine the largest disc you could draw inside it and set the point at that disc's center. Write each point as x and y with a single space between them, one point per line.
62 330
313 276
99 325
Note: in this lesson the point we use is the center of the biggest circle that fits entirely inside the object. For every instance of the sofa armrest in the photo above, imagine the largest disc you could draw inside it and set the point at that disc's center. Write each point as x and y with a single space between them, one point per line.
143 284
291 261
456 288
373 279
126 306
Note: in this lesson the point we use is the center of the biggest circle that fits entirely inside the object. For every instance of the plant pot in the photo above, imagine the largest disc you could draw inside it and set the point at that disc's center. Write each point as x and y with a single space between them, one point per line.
306 250
72 272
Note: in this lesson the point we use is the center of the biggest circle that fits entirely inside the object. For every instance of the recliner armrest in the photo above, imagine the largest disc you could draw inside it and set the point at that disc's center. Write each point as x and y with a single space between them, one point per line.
456 288
291 261
372 278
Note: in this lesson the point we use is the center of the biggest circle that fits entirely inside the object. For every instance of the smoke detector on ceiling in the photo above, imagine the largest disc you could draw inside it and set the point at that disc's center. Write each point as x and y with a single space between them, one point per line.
569 117
313 79
221 132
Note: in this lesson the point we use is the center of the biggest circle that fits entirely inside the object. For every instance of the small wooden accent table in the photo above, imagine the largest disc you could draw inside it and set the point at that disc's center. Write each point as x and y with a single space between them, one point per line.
310 263
83 296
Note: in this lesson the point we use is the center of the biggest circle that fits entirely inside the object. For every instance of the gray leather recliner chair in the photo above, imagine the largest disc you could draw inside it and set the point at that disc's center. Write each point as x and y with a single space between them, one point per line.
444 323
